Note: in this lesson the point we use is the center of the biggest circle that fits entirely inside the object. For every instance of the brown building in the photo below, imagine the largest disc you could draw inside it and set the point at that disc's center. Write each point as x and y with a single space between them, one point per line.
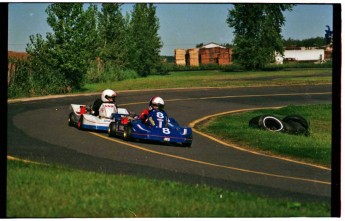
215 55
208 54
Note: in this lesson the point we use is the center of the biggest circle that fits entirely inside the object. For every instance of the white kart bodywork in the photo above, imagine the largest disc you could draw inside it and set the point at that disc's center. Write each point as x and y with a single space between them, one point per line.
87 120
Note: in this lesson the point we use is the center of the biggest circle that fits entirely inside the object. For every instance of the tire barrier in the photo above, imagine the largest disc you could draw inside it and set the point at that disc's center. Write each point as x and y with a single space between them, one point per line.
298 125
268 122
291 124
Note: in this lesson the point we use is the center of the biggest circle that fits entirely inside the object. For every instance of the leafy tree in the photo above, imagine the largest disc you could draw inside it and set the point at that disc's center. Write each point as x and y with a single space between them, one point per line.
61 60
153 38
112 34
199 45
89 34
257 32
144 41
227 45
45 78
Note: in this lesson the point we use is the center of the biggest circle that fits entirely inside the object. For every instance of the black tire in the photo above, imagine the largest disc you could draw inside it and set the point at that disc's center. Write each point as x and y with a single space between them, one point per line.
267 122
72 119
296 128
297 125
254 122
127 132
80 123
112 129
297 118
272 123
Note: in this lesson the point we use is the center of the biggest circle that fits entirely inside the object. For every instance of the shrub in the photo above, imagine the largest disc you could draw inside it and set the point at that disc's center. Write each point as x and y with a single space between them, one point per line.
106 72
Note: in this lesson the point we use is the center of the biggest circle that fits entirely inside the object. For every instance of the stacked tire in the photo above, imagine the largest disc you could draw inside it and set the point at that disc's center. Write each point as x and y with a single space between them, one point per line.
291 124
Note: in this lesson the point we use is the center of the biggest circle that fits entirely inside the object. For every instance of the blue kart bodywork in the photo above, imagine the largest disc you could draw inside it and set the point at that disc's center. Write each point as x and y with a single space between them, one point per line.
159 128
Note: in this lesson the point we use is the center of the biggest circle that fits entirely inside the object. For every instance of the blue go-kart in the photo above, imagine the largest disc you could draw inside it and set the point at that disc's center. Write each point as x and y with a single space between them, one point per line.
159 128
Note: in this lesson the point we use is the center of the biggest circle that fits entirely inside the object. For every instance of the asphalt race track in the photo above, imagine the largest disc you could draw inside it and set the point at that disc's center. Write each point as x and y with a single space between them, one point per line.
37 130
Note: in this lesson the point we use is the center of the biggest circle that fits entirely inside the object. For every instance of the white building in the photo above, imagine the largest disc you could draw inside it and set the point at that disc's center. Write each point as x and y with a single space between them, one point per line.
313 55
212 45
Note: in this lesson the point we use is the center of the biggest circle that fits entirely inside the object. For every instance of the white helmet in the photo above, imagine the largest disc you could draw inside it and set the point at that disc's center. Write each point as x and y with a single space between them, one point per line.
156 101
107 95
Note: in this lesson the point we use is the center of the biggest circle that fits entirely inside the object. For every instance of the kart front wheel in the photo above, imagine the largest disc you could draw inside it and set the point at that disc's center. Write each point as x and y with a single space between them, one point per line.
127 132
112 129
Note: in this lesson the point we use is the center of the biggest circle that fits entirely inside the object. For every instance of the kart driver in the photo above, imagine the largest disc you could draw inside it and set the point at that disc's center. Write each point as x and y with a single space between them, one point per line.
107 96
155 104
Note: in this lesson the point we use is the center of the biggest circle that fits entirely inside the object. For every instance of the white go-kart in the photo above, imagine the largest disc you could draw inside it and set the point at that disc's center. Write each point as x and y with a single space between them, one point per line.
83 118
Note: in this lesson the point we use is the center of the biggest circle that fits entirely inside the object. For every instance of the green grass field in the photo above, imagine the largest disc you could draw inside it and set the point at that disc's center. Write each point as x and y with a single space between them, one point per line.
188 79
315 148
42 191
50 191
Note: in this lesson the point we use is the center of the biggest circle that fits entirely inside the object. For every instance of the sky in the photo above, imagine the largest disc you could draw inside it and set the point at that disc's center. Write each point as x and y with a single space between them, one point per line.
182 25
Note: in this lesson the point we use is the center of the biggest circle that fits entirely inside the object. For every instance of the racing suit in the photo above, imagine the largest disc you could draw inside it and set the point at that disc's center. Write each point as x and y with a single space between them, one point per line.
96 105
157 118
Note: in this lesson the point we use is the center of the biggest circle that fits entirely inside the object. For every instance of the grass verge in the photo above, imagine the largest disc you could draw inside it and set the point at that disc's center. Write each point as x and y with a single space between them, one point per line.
188 79
72 193
315 148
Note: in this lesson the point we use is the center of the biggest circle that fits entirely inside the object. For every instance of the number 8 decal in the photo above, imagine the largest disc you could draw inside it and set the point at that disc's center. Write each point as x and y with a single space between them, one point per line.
160 115
166 130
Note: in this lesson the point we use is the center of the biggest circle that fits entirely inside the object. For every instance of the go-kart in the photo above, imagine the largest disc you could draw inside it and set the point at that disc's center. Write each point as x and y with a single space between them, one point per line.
82 118
159 128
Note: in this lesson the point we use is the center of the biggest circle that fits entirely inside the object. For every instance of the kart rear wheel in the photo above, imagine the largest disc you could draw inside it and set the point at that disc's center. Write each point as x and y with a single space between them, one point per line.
127 132
80 122
72 119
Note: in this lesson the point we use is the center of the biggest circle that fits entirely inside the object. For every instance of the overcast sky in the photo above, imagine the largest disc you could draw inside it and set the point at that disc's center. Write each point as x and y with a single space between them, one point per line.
181 25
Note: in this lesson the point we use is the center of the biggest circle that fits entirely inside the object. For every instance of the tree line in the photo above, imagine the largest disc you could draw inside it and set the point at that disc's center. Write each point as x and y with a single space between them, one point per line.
92 45
290 42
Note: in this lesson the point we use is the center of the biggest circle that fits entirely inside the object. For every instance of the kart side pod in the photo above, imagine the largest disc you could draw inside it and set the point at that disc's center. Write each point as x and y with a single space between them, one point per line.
82 110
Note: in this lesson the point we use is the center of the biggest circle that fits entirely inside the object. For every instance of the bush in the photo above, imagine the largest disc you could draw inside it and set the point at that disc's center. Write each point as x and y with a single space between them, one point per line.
232 68
19 79
107 72
276 67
